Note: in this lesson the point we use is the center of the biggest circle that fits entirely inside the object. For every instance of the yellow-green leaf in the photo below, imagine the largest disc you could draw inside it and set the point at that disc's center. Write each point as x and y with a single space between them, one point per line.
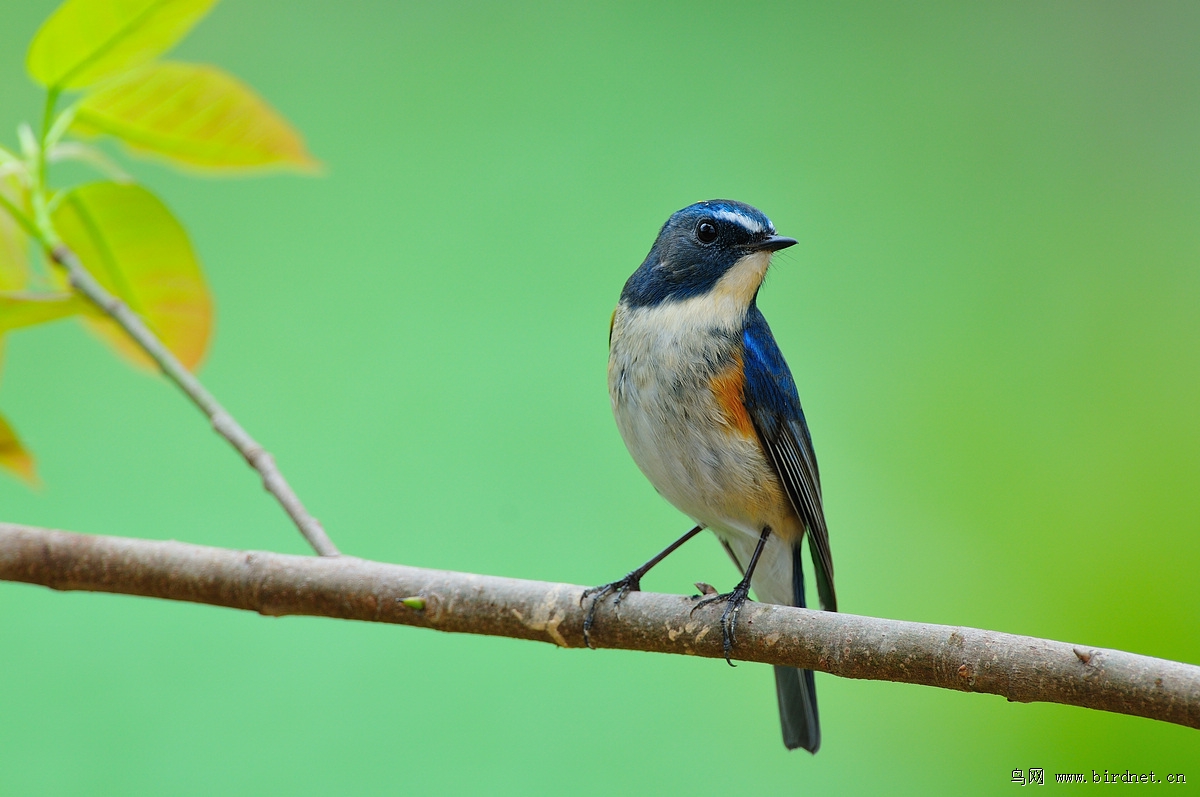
14 457
14 245
85 41
132 244
195 115
26 309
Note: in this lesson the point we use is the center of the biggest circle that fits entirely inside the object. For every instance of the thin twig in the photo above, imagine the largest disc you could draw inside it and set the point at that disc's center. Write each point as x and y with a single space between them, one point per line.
1023 669
224 423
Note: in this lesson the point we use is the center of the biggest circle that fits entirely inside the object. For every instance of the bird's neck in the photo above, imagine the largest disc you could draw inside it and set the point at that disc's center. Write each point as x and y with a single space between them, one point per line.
722 309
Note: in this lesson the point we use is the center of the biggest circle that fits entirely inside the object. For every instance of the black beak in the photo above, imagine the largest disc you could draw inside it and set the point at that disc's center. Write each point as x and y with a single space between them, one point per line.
774 243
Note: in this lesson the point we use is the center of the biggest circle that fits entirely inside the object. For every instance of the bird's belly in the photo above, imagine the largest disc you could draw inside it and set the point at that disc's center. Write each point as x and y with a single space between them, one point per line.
674 413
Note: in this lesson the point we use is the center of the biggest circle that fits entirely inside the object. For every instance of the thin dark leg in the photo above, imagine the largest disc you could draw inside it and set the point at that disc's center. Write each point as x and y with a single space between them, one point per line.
630 583
735 599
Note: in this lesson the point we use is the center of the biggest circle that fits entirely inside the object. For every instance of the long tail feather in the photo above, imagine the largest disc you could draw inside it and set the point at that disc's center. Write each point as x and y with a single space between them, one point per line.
780 579
797 689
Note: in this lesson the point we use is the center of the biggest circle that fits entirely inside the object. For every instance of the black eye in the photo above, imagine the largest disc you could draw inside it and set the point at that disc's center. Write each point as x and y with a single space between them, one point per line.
706 231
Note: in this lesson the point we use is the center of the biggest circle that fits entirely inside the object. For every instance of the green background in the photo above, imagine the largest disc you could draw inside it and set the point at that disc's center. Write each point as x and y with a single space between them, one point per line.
993 318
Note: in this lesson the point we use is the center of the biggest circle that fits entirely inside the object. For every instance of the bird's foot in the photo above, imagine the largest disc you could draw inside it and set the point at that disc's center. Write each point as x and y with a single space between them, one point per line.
622 587
733 607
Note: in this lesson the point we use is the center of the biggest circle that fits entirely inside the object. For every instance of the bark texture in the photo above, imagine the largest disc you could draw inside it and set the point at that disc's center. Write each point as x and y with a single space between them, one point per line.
1024 669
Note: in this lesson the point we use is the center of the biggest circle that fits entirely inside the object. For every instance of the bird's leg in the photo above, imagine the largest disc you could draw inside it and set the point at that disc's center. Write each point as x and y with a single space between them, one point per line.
735 599
630 583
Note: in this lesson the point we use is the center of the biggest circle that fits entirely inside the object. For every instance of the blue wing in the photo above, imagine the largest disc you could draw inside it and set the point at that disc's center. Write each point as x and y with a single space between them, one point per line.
774 407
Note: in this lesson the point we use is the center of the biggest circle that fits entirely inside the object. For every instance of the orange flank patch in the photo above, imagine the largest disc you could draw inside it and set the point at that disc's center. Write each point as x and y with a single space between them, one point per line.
728 389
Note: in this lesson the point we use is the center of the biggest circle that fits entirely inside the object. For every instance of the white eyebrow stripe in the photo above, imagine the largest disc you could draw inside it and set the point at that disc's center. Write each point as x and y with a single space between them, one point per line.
751 224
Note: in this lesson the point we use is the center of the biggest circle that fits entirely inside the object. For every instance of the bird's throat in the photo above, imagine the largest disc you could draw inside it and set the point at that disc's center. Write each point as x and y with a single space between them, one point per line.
739 285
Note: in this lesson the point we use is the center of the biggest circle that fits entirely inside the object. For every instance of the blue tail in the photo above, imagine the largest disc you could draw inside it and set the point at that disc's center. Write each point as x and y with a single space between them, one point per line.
797 689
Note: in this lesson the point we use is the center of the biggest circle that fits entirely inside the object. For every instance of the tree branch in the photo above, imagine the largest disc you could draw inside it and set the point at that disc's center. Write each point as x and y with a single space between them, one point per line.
1023 669
224 423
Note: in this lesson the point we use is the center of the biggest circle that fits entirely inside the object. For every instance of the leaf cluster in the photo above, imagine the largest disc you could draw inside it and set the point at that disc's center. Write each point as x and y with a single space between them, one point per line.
104 57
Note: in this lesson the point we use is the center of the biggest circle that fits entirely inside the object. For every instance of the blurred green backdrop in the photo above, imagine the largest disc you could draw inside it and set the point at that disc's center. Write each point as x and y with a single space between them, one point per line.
994 320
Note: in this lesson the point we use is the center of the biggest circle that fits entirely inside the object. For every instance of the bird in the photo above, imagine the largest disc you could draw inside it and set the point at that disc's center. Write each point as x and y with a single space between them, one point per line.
709 411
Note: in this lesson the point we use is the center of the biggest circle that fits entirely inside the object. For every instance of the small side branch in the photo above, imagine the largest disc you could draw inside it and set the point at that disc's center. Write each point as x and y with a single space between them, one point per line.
1023 669
224 424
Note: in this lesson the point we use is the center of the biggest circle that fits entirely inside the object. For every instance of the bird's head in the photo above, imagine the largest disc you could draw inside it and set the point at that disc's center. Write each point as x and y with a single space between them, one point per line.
717 246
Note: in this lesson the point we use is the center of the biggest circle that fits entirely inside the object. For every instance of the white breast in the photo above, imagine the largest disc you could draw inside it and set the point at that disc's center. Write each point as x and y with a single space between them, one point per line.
661 364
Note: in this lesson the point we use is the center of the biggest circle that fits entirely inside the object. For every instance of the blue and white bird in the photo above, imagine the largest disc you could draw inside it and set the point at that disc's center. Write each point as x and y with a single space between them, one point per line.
708 408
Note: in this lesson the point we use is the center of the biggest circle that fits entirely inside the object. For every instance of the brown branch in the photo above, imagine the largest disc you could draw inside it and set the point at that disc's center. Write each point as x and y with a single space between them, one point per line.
1019 668
224 424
